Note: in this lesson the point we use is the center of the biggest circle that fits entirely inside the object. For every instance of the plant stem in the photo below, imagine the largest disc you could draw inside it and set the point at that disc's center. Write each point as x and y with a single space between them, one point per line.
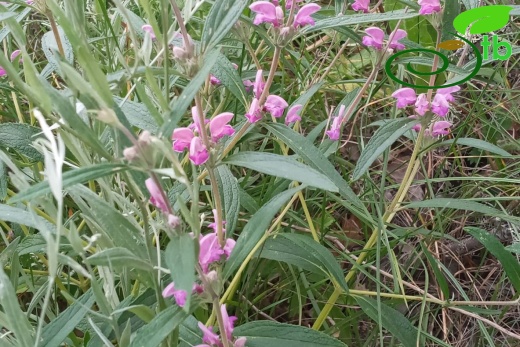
56 33
411 170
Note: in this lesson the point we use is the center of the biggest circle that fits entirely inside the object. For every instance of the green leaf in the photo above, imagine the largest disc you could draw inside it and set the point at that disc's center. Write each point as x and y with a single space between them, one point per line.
18 323
392 320
505 258
515 248
50 49
109 221
138 115
20 138
476 143
313 157
118 257
36 243
353 19
153 333
221 18
7 30
303 251
17 215
309 93
85 58
230 192
382 139
3 181
460 204
439 276
274 334
181 104
450 11
70 178
483 19
6 15
228 75
64 108
57 330
180 258
255 229
282 166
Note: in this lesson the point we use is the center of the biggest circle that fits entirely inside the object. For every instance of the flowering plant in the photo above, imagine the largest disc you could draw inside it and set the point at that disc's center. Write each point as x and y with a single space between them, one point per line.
208 174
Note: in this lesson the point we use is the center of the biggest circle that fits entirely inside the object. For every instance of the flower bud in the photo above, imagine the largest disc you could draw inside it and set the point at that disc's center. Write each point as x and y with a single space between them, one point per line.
130 153
173 221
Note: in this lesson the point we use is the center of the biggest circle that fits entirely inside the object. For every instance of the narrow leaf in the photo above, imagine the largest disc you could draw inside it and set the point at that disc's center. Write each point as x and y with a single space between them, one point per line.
381 140
255 229
282 166
392 320
505 258
70 178
304 252
180 258
274 334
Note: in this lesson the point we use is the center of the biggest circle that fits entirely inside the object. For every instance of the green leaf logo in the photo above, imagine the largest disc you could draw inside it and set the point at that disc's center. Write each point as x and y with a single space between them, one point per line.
483 19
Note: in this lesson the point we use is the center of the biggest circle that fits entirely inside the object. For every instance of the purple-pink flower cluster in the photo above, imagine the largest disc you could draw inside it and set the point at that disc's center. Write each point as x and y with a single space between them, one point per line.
270 12
211 339
440 106
335 127
210 251
361 5
429 6
274 104
188 137
376 38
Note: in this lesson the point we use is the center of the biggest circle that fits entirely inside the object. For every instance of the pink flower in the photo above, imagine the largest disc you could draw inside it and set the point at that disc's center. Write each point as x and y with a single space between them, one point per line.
441 128
303 17
275 105
178 294
333 133
156 196
361 5
228 248
258 86
219 126
267 12
228 322
398 35
289 3
209 336
147 28
405 97
375 38
2 72
447 92
213 80
422 105
429 6
198 152
248 85
440 105
195 117
15 54
292 114
416 127
254 114
181 139
210 251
